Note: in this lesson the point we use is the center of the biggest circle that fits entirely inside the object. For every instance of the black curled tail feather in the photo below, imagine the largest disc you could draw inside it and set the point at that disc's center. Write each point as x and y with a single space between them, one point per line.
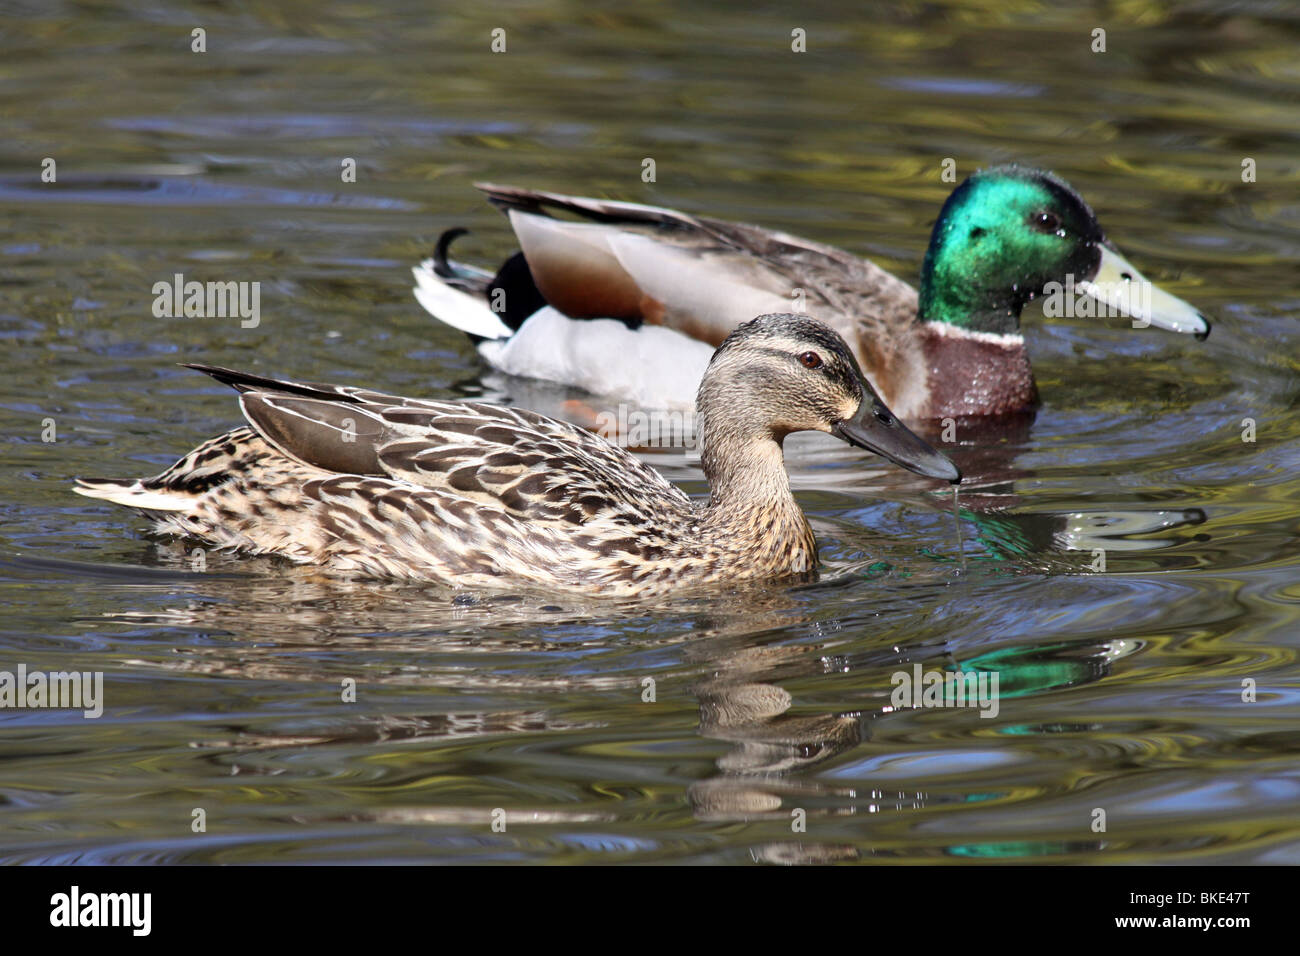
512 292
441 266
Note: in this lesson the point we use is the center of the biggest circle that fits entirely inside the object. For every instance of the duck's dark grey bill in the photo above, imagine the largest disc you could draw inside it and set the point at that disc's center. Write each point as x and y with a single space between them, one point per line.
876 429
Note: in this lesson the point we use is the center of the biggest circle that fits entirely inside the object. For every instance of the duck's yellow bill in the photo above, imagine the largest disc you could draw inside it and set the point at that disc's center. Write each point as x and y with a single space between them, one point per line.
1127 292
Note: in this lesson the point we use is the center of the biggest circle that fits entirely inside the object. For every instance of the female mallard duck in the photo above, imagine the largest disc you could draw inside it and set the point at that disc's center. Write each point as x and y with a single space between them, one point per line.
477 495
676 285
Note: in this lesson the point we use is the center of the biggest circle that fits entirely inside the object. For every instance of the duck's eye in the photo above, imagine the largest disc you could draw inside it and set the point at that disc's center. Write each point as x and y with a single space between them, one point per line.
1045 221
810 360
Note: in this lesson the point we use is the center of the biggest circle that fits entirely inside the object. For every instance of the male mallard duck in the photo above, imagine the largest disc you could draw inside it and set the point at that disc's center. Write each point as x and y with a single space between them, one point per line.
478 495
672 287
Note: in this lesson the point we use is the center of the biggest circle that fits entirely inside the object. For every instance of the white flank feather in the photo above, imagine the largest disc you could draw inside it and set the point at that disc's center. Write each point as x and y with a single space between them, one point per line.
653 367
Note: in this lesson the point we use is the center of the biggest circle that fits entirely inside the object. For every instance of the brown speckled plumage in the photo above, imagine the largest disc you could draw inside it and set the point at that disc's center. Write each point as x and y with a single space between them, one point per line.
475 495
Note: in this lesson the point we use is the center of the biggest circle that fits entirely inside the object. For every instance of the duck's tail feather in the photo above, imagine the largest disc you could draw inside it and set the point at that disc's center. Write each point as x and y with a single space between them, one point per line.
443 268
457 294
133 493
185 484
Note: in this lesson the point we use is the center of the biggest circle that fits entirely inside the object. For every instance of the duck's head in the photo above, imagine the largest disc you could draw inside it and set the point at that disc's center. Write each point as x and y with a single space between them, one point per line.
784 373
1007 232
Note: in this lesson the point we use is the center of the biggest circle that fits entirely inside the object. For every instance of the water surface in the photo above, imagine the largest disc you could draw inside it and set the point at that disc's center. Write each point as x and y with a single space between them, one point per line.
1121 689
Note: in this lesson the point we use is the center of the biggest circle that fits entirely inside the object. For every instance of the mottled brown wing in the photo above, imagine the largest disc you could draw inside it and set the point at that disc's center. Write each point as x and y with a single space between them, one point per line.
532 466
529 465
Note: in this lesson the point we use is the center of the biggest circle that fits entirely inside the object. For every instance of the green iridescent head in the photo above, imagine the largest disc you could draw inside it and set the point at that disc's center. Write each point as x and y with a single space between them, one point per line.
1006 233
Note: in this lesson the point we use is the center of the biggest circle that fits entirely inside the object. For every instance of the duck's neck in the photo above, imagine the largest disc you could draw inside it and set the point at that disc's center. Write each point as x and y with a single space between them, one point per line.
970 342
751 509
967 307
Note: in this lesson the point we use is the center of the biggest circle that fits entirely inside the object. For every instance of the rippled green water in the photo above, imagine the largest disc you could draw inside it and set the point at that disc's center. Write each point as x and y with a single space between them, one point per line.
1121 690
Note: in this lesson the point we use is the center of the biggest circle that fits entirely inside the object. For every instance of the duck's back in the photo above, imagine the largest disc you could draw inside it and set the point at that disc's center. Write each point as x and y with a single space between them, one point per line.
698 275
459 492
